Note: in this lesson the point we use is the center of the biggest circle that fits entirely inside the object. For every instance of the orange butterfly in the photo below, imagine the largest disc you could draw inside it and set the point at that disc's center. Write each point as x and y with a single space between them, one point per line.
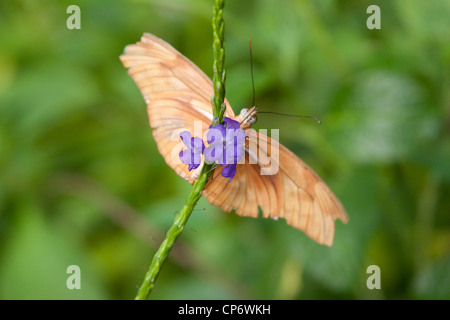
178 95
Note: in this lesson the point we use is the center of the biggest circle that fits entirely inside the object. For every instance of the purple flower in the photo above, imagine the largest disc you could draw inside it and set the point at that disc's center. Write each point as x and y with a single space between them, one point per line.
229 171
232 124
226 146
195 147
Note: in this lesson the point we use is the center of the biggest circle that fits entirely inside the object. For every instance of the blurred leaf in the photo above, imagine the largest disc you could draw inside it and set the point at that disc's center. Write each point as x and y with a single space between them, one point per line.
434 281
35 261
384 120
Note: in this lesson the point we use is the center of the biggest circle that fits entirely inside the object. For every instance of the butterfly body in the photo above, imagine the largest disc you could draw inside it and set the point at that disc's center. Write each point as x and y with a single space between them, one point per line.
247 117
178 96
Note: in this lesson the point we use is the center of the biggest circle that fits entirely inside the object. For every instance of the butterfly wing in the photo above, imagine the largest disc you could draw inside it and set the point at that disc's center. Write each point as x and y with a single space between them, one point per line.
295 193
177 94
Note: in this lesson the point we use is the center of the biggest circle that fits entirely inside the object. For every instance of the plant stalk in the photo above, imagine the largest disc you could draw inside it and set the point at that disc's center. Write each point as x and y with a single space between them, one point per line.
218 107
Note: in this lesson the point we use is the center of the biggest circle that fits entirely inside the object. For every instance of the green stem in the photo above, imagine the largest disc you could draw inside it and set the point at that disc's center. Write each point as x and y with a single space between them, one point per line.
218 111
219 76
173 233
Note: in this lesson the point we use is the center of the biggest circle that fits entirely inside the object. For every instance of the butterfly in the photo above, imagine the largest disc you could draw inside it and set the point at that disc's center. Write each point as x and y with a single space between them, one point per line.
178 94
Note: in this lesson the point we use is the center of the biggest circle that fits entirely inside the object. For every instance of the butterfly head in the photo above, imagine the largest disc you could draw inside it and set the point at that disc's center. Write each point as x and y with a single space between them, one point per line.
247 117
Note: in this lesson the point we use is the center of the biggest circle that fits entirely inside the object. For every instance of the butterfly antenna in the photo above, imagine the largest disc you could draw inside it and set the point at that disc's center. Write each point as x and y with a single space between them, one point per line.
253 82
291 115
254 95
251 71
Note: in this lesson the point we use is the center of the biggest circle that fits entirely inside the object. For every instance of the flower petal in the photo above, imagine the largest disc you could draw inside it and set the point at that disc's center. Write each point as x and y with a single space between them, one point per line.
185 156
231 124
234 145
213 153
193 166
196 160
241 136
191 158
229 171
186 138
197 145
216 134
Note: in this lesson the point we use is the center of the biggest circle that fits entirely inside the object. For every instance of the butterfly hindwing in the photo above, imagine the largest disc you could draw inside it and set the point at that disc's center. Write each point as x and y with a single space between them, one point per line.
295 193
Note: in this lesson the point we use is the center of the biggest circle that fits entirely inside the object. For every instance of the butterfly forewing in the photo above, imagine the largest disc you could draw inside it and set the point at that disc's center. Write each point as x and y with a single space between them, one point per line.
177 94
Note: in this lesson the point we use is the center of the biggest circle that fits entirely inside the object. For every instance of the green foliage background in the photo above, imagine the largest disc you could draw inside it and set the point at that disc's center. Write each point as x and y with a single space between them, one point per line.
81 181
